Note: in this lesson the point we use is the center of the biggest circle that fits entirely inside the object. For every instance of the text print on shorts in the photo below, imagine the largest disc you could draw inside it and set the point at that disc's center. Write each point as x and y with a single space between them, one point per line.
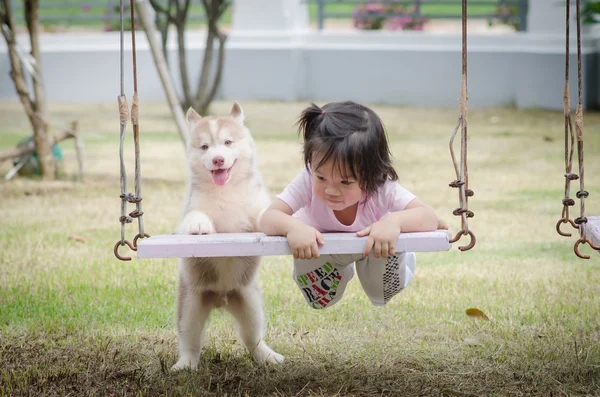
320 285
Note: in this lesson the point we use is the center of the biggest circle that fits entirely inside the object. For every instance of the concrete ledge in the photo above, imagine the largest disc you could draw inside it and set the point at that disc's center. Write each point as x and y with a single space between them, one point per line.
401 68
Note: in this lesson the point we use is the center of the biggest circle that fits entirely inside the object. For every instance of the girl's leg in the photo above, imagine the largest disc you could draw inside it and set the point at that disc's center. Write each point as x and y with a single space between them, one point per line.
323 280
383 278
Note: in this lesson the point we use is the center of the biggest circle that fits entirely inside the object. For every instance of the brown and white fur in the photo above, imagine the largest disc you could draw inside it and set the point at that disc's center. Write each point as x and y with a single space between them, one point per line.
225 194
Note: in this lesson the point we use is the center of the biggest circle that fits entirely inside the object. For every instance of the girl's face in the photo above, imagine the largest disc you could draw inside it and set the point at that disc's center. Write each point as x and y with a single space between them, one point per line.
337 192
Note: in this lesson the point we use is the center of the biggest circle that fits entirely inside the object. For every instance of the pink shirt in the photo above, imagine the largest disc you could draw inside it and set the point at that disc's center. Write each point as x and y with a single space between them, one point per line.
311 210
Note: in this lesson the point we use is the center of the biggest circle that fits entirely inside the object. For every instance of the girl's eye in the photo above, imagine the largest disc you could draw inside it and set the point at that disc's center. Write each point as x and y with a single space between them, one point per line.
346 183
204 147
320 178
228 142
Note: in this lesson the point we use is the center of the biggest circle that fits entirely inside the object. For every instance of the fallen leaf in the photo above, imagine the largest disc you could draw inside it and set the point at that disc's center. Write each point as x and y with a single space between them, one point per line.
78 238
472 312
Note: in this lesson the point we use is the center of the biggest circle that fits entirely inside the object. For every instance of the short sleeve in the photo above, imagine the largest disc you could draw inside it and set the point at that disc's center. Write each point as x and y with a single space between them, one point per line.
397 196
298 193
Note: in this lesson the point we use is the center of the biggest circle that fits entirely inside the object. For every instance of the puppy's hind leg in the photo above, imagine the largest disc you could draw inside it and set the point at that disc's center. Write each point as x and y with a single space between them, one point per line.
245 305
192 315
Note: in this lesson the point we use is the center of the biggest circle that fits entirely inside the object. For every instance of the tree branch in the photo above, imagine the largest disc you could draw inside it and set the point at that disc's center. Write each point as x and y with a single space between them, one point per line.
170 17
183 70
162 68
222 8
158 8
217 80
207 63
29 149
186 8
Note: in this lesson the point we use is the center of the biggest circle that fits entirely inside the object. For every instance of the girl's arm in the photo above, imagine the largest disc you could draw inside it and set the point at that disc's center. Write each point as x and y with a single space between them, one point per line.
416 217
303 239
277 220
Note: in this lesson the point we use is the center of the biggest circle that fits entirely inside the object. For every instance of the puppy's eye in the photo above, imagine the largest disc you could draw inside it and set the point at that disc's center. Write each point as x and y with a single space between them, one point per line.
228 142
204 147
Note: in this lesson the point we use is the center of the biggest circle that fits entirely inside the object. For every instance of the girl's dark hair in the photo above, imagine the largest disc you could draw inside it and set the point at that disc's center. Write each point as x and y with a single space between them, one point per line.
351 135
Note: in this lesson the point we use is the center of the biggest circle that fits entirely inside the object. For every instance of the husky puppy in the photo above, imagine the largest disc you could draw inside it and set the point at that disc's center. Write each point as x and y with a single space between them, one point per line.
225 194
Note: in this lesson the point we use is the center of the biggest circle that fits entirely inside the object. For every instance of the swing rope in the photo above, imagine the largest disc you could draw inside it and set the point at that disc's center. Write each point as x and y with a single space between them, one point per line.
123 116
567 201
462 173
581 221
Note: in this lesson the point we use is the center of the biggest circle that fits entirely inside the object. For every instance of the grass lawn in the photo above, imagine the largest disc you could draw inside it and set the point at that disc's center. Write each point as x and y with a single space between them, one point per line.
75 321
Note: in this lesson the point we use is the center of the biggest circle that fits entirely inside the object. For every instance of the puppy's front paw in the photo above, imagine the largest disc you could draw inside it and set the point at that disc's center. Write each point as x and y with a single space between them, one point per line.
263 354
275 358
196 222
185 363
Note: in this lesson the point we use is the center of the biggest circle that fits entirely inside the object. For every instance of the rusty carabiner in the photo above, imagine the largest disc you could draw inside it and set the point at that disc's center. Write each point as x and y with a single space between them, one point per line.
120 244
564 220
461 233
146 235
584 241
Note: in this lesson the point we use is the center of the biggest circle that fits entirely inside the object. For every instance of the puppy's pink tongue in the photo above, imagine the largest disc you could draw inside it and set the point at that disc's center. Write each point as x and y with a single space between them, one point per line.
219 177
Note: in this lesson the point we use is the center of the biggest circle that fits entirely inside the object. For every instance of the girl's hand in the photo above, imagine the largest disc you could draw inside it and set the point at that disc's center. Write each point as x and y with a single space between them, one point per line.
304 242
383 235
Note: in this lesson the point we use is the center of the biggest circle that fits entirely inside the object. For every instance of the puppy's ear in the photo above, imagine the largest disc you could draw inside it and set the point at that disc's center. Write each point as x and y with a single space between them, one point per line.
237 113
192 116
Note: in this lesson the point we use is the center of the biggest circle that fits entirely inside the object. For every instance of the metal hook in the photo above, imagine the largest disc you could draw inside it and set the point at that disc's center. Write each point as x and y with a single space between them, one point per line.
119 244
576 249
461 233
584 241
146 235
564 220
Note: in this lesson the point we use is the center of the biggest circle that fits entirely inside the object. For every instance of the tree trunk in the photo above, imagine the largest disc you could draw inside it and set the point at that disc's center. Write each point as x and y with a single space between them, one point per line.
35 108
40 132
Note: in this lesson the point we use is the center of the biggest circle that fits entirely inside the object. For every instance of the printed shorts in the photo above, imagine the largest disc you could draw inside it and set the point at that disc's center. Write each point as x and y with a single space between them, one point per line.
323 280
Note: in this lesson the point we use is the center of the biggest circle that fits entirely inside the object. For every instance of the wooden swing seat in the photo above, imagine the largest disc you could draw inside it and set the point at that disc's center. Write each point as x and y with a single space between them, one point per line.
592 230
259 244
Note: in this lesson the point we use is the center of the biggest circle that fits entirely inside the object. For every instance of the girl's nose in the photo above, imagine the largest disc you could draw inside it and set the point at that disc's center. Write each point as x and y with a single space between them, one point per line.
331 191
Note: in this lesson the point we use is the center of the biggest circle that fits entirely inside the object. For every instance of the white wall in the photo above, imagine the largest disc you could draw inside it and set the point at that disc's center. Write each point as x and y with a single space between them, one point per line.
288 62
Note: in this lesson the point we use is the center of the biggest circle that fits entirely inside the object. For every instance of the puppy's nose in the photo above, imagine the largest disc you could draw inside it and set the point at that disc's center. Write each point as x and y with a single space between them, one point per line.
218 161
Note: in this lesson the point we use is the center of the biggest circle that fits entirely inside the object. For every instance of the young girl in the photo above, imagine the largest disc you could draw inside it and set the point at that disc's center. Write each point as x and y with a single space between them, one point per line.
348 185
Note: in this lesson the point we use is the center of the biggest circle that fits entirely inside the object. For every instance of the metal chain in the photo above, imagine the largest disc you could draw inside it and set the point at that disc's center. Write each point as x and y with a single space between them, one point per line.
462 174
123 116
